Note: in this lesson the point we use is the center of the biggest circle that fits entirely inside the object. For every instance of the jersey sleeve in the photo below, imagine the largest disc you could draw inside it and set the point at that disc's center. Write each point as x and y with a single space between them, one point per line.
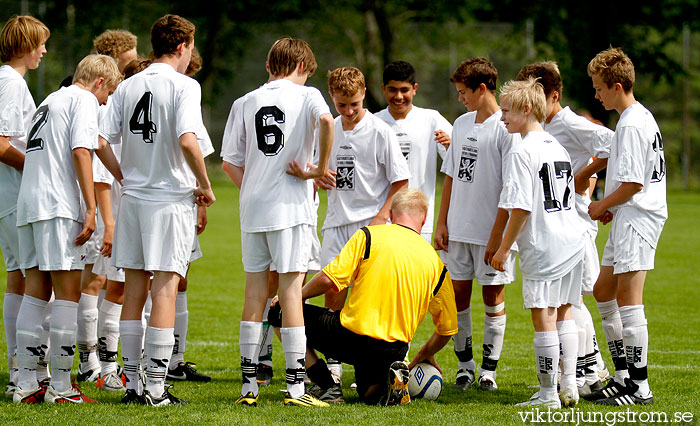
443 307
204 142
343 269
594 137
317 106
631 155
110 117
11 109
233 145
84 129
188 109
517 192
448 165
391 156
441 123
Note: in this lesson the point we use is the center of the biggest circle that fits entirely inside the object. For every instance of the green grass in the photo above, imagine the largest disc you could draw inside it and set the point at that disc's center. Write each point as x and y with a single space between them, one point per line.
215 300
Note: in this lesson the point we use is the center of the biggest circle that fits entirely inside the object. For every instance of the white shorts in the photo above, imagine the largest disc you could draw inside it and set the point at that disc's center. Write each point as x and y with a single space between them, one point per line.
626 250
103 266
196 252
335 238
314 265
428 236
466 262
9 241
591 265
154 236
553 294
92 247
48 244
287 248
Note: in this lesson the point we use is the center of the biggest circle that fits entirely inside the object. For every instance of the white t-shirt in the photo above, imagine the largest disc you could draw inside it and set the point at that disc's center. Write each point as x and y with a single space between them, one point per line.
267 129
475 162
66 120
637 155
367 160
16 110
538 178
416 136
151 111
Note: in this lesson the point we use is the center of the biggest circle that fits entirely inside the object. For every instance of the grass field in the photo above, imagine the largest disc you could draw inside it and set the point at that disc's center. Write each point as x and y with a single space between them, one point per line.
215 302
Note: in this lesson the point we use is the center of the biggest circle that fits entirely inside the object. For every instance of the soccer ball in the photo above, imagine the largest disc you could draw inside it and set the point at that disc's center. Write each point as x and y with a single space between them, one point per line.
425 382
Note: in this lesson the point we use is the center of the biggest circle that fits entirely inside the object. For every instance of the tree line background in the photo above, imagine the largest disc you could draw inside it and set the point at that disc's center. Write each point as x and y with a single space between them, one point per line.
233 37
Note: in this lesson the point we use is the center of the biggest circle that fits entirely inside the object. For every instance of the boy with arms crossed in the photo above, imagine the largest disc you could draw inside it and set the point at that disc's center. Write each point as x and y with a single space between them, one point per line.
423 134
157 113
538 192
267 149
22 44
635 200
52 225
470 235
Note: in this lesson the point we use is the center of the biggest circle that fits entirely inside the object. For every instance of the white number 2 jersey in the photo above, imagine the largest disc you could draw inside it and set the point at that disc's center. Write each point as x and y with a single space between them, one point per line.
151 110
538 178
267 129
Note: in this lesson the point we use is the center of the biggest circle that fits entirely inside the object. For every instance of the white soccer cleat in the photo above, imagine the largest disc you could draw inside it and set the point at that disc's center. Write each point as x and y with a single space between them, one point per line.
569 397
536 401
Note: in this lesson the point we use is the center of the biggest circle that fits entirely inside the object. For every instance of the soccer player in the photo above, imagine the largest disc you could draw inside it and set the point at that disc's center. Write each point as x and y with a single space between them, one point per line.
157 113
267 149
470 224
538 192
423 134
583 140
635 200
52 224
22 44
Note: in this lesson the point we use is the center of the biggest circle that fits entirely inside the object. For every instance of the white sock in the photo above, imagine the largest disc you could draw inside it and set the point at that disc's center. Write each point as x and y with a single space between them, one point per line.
591 348
636 337
265 353
10 309
547 355
568 343
463 340
294 346
29 329
248 343
612 327
108 332
42 365
577 314
182 316
159 348
63 329
494 331
131 333
87 332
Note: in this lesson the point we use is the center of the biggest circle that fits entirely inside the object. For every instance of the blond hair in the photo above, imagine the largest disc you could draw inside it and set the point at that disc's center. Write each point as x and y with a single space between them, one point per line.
526 93
287 53
95 66
20 35
347 81
613 66
114 42
411 202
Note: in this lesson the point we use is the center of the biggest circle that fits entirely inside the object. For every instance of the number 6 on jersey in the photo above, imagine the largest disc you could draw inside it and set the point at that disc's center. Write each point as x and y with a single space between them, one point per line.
140 122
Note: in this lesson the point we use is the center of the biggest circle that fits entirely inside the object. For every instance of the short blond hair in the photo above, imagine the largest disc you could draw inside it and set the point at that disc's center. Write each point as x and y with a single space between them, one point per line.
348 81
95 66
526 93
411 202
287 53
20 35
114 42
613 66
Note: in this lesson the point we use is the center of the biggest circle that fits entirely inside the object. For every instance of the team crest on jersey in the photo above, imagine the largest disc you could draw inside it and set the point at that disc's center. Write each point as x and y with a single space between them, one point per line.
467 163
405 149
345 169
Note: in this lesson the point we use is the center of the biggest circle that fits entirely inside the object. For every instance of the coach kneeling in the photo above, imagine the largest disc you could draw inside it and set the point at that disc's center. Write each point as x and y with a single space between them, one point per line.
397 278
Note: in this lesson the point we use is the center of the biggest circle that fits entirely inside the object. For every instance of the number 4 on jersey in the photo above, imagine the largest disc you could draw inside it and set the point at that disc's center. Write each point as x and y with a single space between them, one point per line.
140 122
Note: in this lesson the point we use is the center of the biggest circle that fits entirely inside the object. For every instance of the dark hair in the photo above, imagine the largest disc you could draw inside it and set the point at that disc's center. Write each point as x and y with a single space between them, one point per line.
168 32
399 71
547 74
473 72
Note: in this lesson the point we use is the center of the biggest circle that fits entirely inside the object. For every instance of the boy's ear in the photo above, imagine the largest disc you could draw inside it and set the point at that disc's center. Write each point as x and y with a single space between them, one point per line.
301 67
555 96
267 66
482 89
618 88
99 81
527 110
415 87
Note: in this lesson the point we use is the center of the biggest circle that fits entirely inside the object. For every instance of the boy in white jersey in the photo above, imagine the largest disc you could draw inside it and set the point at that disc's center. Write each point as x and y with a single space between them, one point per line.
52 224
267 149
470 225
22 44
584 141
635 200
423 134
158 115
538 192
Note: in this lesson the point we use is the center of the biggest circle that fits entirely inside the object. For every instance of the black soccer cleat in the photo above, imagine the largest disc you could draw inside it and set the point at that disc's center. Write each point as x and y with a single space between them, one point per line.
165 399
131 397
185 372
627 396
610 390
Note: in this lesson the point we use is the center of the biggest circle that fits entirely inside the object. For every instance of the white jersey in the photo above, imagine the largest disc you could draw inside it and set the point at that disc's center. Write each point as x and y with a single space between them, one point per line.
475 162
267 129
637 155
66 120
416 135
16 110
538 178
150 111
367 160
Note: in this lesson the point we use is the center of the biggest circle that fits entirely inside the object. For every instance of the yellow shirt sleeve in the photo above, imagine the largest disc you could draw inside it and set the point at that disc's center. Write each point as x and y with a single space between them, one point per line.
343 268
443 308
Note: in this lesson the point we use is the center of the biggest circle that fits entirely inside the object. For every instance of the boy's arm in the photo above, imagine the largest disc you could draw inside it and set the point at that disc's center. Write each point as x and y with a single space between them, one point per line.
517 220
496 236
10 155
102 196
626 190
202 219
193 155
235 173
325 143
441 232
582 180
82 161
106 155
429 349
383 216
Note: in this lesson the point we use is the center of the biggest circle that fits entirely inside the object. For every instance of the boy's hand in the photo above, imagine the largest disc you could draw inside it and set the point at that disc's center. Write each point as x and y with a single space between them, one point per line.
498 262
88 228
491 248
441 237
106 249
201 219
418 359
327 181
596 210
312 171
607 217
204 196
442 138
